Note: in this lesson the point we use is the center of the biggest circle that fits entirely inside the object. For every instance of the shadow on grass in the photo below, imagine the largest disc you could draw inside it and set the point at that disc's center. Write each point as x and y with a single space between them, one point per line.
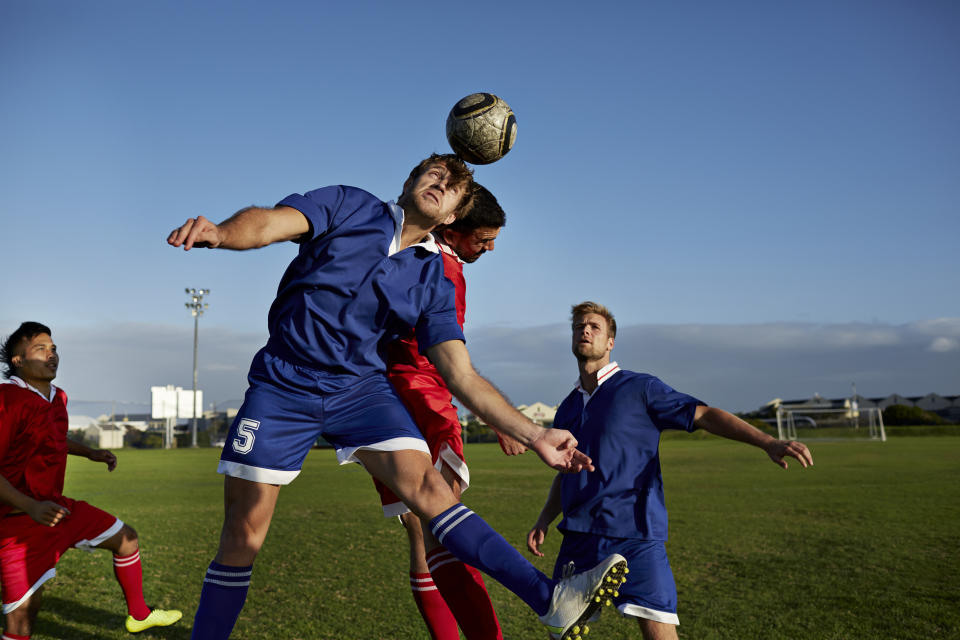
74 618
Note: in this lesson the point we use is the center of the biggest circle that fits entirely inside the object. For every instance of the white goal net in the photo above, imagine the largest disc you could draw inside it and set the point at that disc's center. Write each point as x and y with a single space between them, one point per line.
830 424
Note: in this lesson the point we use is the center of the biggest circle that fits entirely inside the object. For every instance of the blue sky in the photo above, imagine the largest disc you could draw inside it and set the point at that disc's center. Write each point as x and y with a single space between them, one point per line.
715 168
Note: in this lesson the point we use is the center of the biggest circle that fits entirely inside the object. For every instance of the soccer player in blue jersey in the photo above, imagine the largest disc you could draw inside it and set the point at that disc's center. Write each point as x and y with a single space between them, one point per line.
617 416
366 271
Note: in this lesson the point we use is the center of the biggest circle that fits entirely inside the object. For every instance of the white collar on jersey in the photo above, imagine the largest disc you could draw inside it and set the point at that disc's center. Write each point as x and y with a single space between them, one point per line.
427 243
447 249
22 383
602 376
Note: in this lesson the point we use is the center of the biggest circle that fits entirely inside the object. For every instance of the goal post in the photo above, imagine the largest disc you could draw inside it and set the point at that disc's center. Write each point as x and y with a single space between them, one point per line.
841 423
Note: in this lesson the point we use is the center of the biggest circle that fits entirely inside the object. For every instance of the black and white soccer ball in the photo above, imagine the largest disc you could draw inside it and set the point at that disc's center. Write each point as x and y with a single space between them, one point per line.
481 128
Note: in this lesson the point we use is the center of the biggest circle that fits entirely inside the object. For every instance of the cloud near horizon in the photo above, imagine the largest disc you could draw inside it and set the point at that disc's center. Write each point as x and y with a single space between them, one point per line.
737 367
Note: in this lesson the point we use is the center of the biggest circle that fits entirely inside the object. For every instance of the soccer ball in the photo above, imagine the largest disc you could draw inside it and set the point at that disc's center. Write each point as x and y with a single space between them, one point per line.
481 128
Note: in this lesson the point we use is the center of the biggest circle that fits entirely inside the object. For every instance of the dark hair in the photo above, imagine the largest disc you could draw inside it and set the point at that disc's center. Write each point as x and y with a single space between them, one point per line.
486 212
27 331
460 175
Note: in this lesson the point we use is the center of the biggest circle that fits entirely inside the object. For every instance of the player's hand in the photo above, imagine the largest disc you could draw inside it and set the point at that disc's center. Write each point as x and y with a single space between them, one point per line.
558 449
47 513
104 456
195 232
535 538
510 446
779 449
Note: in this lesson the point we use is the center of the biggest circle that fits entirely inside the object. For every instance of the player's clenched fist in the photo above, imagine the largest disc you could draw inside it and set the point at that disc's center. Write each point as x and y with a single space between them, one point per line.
195 232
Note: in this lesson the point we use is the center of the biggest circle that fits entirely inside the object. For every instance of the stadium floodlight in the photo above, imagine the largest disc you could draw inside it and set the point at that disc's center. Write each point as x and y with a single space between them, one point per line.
196 307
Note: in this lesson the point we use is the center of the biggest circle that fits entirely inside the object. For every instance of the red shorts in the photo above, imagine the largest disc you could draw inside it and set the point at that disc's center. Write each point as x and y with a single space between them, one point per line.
436 417
29 551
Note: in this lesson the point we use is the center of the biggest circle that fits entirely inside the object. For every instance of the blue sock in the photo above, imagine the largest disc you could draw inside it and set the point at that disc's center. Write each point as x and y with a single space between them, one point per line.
224 592
469 538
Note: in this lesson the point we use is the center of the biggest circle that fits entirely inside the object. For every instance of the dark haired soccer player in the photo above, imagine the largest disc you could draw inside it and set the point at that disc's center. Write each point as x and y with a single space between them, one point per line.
37 522
617 416
366 271
447 592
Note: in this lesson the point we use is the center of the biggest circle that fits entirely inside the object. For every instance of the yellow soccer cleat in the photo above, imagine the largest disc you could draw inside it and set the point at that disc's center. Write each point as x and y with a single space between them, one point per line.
157 618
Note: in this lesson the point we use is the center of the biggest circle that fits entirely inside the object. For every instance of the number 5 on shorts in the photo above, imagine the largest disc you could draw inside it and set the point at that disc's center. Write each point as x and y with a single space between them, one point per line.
243 443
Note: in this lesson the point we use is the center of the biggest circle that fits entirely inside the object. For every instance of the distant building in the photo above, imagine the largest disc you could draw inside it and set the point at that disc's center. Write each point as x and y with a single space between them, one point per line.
945 406
538 412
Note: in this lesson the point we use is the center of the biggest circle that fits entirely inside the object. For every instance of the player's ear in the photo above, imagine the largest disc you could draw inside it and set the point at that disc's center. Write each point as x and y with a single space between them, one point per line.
450 219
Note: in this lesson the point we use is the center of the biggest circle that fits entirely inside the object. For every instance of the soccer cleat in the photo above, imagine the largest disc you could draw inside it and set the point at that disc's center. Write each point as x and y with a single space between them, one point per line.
157 618
577 598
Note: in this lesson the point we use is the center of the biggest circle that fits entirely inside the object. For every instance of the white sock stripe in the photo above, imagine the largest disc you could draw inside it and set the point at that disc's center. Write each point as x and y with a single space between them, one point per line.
440 554
413 588
135 554
437 565
224 583
453 526
126 562
230 574
421 580
452 514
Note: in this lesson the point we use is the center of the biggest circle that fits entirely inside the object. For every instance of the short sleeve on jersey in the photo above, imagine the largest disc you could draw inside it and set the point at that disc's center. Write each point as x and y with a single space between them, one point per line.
669 408
327 207
438 322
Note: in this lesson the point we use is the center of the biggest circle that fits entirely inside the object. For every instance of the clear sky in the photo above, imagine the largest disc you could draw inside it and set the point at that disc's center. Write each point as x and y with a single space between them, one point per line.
705 169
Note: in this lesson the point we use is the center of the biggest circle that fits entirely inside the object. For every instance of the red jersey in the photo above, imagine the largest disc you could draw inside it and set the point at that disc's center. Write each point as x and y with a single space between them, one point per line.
33 441
403 355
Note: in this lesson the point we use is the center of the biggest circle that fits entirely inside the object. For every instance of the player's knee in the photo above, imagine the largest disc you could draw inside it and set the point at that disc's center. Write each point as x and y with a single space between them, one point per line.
129 541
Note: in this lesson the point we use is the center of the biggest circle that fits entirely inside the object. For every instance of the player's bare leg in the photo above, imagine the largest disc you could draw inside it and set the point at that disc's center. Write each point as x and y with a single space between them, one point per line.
248 509
653 630
125 546
20 620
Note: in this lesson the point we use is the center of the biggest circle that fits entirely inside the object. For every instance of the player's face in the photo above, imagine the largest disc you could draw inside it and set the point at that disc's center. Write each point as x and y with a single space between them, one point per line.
591 341
38 359
432 194
470 245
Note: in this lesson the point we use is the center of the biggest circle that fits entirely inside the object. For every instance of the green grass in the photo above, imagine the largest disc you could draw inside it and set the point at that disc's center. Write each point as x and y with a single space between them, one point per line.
862 545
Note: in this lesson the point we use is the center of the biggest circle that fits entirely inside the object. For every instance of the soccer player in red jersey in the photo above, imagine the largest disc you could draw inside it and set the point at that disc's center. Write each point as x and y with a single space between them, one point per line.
37 522
447 591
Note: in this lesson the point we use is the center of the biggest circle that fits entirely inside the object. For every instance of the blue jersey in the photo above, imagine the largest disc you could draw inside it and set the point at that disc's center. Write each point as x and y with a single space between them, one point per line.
347 294
620 430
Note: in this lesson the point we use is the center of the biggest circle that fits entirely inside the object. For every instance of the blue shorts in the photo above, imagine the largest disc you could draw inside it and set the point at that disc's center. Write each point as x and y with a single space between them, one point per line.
285 411
649 591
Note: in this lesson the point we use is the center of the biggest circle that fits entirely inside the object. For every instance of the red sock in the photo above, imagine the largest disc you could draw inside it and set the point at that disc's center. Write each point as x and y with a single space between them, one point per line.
129 574
462 588
440 622
12 636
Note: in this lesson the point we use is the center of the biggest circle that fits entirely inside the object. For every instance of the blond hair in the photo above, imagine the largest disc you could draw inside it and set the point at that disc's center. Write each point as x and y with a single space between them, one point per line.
582 309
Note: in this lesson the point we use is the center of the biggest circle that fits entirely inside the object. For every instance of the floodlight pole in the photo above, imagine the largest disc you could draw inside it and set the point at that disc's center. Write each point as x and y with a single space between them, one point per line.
196 307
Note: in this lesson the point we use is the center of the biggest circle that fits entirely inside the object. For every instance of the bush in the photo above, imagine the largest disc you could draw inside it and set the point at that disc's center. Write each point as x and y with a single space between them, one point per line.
899 414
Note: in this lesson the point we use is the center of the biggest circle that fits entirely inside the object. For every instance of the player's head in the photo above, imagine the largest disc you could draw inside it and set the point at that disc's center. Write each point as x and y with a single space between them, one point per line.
29 353
440 187
475 233
594 331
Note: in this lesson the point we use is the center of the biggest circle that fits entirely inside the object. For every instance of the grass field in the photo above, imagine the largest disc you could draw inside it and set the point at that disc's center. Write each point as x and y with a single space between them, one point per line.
862 545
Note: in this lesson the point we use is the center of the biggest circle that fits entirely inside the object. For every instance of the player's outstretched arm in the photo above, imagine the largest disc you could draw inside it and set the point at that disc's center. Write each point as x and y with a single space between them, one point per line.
725 424
97 455
248 228
556 447
551 509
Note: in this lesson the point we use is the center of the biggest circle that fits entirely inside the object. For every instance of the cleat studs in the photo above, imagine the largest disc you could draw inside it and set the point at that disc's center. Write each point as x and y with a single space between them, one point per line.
596 598
586 629
616 594
608 602
575 630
